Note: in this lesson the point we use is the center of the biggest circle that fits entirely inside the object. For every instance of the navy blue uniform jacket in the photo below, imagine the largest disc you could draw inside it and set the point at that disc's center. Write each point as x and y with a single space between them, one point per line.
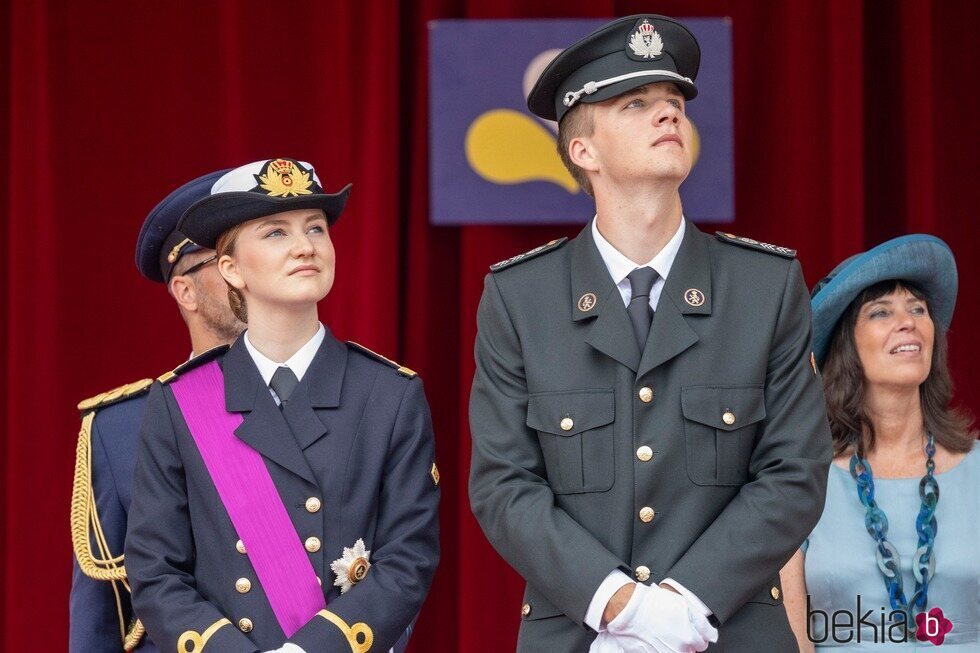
356 434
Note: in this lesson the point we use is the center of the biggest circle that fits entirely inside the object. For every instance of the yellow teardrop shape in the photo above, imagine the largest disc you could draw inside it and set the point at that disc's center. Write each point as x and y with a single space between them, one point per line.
507 147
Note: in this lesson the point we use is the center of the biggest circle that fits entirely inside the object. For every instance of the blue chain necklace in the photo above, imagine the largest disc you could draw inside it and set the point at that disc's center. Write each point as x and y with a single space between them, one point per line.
923 561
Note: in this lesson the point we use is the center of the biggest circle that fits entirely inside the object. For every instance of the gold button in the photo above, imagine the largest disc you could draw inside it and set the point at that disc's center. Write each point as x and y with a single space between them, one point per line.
644 453
312 504
526 610
240 546
245 625
642 573
646 514
243 585
646 394
728 417
567 424
319 581
774 592
312 544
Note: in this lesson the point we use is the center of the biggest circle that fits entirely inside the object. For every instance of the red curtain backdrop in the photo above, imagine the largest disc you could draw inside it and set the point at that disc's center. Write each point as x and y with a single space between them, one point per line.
854 123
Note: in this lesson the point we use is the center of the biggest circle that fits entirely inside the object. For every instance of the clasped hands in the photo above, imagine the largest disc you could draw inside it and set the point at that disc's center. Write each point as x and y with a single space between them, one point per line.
656 620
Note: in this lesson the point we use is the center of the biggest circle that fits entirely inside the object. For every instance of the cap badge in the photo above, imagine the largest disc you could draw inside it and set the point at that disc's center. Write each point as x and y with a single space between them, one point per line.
284 178
694 297
645 42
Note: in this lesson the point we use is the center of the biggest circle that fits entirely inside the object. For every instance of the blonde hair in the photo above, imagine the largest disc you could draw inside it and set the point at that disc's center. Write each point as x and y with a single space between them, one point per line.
226 246
576 122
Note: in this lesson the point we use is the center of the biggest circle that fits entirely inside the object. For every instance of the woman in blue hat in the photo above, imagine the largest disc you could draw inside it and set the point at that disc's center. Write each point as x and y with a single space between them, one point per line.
892 561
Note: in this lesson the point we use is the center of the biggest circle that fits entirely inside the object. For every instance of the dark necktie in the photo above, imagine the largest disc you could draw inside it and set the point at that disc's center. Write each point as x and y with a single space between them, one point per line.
283 382
641 281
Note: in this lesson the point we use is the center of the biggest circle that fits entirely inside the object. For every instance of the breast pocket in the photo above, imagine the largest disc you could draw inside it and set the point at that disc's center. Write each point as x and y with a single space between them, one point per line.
720 424
575 429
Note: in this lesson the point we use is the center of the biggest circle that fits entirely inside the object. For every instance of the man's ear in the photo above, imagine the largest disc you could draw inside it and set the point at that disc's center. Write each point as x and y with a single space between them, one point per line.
229 271
582 153
184 291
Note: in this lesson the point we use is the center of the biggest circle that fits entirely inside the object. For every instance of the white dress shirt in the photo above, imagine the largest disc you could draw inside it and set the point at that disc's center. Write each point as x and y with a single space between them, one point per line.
298 362
619 266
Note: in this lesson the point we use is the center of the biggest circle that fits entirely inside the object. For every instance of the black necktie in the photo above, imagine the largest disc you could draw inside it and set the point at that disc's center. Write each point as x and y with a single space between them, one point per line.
283 382
641 281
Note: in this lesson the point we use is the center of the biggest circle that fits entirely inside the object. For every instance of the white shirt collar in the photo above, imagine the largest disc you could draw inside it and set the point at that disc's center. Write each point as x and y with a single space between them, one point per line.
298 362
619 265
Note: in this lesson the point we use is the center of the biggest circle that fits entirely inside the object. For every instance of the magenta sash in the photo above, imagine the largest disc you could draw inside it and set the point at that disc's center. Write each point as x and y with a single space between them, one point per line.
251 499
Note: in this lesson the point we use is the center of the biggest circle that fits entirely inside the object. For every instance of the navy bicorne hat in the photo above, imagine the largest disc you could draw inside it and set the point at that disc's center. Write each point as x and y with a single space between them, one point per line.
256 190
920 259
160 245
623 55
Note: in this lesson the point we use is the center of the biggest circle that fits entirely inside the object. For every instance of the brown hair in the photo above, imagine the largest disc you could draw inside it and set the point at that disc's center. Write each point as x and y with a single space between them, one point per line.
575 123
226 245
844 383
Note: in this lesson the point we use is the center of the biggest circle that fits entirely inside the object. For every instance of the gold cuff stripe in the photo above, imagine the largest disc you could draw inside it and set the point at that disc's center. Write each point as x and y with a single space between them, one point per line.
198 640
351 632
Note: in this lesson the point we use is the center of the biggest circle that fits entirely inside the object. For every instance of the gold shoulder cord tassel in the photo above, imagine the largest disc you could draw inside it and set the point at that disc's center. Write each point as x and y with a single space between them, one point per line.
83 514
352 633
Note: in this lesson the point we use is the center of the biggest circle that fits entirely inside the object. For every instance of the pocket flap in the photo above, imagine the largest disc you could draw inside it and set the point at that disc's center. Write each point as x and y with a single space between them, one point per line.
571 412
724 407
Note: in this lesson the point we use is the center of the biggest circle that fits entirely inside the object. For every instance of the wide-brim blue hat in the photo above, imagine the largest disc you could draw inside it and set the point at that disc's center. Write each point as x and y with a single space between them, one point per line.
256 190
160 245
920 259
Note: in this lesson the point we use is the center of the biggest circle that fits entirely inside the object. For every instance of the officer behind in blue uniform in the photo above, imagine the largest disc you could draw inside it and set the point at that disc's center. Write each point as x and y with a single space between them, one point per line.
339 437
102 619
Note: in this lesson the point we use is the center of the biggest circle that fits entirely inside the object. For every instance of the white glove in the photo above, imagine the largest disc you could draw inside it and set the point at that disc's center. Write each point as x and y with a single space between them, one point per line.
663 620
606 642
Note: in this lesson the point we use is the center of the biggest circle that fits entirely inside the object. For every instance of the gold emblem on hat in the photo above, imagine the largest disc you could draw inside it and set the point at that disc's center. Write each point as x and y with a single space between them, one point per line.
284 178
694 297
586 302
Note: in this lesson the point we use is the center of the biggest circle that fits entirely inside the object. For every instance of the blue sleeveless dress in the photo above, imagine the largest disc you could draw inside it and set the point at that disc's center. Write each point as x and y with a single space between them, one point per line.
841 564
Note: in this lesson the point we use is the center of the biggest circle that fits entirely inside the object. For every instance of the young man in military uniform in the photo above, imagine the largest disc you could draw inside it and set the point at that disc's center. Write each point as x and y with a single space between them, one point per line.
102 619
649 437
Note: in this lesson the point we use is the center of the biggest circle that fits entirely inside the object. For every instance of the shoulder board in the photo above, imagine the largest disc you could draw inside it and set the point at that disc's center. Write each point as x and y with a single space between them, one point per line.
526 256
115 395
742 241
197 361
401 369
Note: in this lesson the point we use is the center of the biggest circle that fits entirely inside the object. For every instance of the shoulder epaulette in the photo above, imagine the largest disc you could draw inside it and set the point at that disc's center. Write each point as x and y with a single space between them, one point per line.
401 369
785 252
197 361
526 256
115 395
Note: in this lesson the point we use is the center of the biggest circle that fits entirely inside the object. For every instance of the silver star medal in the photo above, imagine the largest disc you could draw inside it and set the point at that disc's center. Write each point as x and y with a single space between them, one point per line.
352 567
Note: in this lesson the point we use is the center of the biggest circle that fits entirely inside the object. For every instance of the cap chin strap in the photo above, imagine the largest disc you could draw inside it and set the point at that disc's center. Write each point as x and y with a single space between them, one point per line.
591 87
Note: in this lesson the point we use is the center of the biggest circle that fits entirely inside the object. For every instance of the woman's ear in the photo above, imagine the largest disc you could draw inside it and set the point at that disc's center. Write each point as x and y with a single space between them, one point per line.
229 271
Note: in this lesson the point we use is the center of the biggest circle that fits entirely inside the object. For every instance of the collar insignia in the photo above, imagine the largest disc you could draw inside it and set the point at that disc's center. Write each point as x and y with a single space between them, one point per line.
694 297
645 42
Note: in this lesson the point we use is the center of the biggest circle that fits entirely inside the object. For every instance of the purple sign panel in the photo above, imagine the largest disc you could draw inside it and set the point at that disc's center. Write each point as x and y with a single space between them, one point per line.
493 162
